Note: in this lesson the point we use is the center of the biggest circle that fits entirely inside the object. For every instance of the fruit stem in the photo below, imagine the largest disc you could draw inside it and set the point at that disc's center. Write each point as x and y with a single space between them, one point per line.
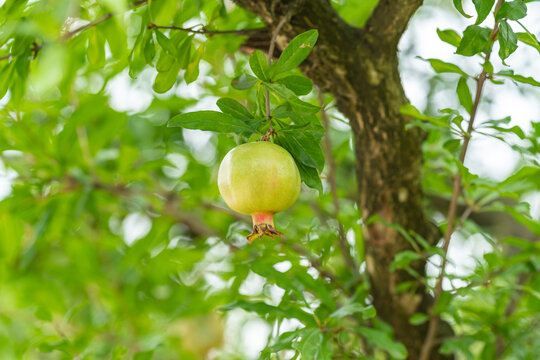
269 133
263 224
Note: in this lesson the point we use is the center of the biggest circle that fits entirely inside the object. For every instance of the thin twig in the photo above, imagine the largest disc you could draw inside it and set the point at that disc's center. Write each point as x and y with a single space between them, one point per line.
100 20
275 33
107 16
73 32
342 238
510 309
35 49
435 318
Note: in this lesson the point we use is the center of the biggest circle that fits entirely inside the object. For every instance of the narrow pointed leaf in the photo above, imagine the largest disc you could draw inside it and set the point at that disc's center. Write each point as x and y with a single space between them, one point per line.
507 40
259 65
464 94
483 8
300 85
512 10
459 7
234 108
475 40
449 36
210 121
297 51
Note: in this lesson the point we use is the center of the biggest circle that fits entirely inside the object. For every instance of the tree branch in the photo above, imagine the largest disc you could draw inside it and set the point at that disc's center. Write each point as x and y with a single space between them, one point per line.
342 238
457 186
390 18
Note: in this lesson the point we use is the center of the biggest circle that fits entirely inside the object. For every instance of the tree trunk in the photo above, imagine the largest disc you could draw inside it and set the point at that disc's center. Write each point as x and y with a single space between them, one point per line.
360 68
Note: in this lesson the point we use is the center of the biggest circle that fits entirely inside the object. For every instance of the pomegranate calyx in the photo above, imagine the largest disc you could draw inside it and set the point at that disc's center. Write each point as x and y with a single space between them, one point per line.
259 230
263 224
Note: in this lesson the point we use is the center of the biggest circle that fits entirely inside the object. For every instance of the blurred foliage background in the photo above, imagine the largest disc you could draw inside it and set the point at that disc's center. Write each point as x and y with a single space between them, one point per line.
115 244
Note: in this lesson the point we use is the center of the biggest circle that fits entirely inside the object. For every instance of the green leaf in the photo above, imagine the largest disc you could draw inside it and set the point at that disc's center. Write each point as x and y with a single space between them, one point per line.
261 99
297 104
314 345
210 121
259 65
444 67
488 67
165 43
529 39
503 121
118 352
442 303
183 53
507 40
459 345
116 38
283 280
257 307
285 340
144 355
164 81
306 147
309 175
464 94
297 51
418 319
516 130
96 48
62 345
383 341
192 71
234 108
353 308
300 85
50 69
459 7
243 82
165 62
483 8
135 64
261 308
43 314
403 259
21 45
5 78
149 49
449 36
475 40
411 111
512 10
519 78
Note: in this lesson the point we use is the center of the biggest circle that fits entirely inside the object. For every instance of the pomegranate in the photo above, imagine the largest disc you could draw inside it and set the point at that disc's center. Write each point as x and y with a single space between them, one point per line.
259 179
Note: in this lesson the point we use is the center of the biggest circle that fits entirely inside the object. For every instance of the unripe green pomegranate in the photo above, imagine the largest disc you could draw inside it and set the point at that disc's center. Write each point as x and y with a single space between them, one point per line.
259 179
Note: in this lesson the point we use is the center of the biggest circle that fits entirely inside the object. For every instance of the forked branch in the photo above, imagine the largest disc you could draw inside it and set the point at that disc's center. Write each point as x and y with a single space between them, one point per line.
457 186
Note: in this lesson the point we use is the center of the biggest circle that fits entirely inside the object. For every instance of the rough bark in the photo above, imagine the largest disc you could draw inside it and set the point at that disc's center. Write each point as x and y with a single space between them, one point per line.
360 68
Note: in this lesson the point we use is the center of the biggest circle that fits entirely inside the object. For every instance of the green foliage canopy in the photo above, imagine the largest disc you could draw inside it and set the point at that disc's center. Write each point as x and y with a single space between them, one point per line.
115 244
